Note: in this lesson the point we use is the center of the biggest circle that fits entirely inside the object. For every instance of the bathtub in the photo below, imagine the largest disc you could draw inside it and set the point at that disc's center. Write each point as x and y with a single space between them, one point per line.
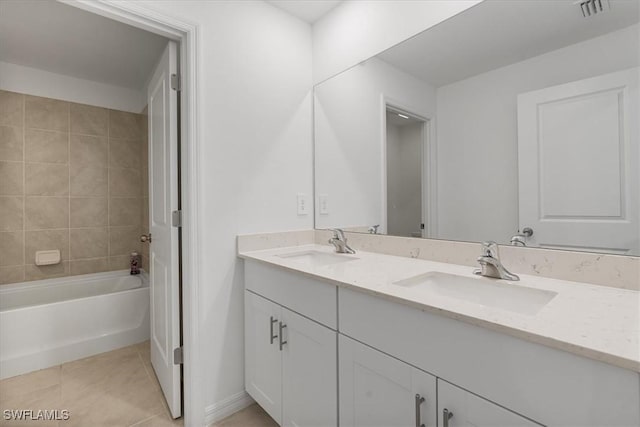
48 322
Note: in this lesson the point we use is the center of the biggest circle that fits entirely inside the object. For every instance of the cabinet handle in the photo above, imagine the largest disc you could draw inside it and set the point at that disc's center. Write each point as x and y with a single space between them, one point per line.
282 343
273 337
419 401
446 416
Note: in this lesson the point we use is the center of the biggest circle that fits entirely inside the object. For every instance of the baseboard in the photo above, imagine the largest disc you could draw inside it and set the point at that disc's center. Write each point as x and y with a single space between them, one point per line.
230 405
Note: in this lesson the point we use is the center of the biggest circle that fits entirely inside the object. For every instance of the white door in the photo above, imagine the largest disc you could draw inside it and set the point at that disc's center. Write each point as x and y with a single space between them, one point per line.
578 161
309 373
263 358
377 390
459 408
163 253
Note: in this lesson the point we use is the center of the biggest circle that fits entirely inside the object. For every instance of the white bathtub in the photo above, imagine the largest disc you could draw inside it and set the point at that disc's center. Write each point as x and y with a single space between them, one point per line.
48 322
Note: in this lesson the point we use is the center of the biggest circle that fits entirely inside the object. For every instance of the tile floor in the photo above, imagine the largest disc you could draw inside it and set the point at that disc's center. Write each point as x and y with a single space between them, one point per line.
114 389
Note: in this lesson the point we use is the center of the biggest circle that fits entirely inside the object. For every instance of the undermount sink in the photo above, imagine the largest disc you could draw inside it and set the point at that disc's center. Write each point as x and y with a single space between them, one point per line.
483 291
313 258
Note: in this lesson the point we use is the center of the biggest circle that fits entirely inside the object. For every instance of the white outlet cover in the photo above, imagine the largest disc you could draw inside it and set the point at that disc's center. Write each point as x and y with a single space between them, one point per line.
323 204
303 204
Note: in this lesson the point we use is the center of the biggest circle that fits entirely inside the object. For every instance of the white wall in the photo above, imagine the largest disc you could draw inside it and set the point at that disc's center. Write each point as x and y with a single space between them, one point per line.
17 78
349 138
356 30
477 133
254 125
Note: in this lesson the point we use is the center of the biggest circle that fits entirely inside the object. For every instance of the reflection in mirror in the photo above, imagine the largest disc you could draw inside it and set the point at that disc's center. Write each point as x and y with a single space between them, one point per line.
512 121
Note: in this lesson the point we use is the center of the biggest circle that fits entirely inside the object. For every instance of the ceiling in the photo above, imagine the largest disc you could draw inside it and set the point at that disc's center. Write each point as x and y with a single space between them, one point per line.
307 10
496 33
58 38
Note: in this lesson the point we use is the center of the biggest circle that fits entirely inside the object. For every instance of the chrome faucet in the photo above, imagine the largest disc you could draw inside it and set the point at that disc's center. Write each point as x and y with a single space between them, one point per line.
339 241
490 265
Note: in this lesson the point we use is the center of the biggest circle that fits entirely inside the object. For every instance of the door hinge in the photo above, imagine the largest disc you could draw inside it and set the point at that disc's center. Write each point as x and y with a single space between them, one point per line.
176 218
177 356
176 82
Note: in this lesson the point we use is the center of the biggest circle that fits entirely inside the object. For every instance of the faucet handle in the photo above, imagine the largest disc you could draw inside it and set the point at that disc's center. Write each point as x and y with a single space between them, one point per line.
490 248
338 233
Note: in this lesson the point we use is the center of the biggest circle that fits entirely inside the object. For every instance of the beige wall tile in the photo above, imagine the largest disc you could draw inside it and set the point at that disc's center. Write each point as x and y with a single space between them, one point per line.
46 212
87 180
88 212
124 182
13 274
11 178
11 143
88 243
46 146
11 108
124 211
124 154
120 262
45 240
89 120
124 125
89 150
124 240
89 266
46 179
37 272
11 248
46 113
11 213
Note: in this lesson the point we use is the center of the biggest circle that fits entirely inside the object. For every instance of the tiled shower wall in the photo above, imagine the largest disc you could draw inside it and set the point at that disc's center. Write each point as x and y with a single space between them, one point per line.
73 178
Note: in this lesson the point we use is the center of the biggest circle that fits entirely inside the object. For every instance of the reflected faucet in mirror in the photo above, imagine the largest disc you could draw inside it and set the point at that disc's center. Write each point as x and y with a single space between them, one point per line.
373 229
339 241
520 239
490 264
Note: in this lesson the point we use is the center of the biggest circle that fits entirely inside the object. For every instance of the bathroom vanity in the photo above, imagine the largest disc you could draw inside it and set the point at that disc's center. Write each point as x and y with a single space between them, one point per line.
372 339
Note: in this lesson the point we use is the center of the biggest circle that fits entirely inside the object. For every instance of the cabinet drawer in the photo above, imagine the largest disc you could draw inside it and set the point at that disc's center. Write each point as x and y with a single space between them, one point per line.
547 385
312 298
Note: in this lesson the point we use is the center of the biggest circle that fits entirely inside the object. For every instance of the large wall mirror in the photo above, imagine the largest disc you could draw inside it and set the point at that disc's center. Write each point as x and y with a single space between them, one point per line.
514 121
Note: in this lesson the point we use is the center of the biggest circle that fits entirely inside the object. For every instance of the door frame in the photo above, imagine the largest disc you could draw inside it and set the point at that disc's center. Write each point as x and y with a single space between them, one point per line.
186 35
429 164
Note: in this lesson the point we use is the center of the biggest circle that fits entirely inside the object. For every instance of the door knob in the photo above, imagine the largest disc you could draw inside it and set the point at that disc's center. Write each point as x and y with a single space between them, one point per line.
145 238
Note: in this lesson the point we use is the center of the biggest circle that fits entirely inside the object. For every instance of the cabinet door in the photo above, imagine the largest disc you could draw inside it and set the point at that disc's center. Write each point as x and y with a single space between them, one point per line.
309 373
467 409
263 361
378 390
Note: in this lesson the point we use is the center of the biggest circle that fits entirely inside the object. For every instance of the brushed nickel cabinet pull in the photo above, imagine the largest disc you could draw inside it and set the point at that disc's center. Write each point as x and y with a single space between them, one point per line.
282 342
446 416
273 337
419 401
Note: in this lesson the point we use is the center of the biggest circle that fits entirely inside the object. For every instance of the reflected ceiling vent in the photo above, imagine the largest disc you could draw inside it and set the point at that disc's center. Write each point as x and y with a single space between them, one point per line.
593 7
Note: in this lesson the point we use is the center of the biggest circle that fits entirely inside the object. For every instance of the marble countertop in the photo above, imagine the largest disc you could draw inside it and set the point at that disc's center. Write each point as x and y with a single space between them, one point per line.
597 322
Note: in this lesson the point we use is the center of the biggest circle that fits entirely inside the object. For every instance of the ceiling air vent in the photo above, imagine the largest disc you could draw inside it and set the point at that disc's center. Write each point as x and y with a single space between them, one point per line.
593 7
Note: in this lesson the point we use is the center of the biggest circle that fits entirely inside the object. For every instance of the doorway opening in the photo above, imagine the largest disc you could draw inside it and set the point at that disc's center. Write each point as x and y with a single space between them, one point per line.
115 183
406 151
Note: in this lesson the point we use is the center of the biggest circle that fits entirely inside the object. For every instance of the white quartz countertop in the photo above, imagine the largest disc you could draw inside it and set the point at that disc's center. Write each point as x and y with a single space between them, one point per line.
597 322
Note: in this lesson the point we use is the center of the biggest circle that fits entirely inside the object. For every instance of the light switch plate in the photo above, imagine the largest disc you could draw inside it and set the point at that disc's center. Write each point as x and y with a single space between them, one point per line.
323 202
303 204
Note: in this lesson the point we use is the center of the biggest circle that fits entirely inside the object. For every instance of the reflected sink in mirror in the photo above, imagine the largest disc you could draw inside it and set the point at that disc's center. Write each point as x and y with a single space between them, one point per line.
317 259
487 292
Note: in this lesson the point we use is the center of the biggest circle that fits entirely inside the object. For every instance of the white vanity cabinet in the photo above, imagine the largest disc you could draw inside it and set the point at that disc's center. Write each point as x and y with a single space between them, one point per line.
548 386
377 390
458 408
290 360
